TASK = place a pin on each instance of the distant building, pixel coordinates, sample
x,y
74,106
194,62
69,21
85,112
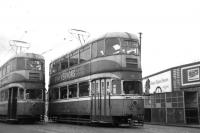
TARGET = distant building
x,y
172,96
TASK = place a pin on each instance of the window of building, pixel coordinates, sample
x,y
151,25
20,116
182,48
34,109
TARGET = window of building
x,y
132,87
112,46
100,48
73,60
73,91
94,50
63,92
84,89
84,54
129,47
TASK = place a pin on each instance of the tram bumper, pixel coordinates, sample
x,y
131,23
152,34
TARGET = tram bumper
x,y
137,120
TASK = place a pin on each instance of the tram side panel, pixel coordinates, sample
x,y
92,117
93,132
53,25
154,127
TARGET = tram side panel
x,y
30,110
74,108
3,109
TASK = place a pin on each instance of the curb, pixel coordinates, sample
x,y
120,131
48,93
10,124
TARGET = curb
x,y
176,125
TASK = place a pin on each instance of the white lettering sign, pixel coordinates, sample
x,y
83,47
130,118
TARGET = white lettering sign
x,y
158,83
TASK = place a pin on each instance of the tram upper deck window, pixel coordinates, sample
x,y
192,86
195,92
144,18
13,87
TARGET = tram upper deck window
x,y
34,94
0,73
100,48
84,54
132,87
73,91
129,46
54,67
94,50
34,64
64,63
8,69
73,59
20,63
13,64
4,71
83,89
112,46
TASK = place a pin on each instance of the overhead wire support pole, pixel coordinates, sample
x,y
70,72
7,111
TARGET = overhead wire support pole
x,y
140,46
140,41
80,35
19,44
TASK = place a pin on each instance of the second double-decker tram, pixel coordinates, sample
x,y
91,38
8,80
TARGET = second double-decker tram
x,y
22,88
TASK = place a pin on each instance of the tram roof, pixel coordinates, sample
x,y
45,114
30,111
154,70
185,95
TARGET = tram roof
x,y
26,55
29,55
115,34
126,35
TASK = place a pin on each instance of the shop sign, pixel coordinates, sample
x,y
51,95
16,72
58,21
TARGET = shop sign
x,y
190,75
158,83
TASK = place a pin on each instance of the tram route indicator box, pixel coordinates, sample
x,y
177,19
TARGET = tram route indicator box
x,y
190,75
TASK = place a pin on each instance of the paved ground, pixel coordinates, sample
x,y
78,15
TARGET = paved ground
x,y
71,128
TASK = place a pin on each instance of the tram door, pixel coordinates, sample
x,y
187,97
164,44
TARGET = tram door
x,y
100,101
12,103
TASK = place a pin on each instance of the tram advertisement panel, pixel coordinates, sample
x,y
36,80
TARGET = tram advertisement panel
x,y
158,83
190,75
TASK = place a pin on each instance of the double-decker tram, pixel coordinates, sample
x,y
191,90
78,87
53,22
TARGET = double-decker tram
x,y
22,88
99,82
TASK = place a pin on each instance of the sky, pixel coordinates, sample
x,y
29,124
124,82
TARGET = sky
x,y
170,28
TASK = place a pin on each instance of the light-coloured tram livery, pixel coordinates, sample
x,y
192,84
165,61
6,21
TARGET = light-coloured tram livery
x,y
22,88
99,82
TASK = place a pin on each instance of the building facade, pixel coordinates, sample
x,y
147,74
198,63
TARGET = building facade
x,y
172,96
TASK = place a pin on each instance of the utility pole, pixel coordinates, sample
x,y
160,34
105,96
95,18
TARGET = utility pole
x,y
140,47
140,42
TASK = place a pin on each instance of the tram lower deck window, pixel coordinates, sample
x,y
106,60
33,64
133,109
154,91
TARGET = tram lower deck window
x,y
21,93
84,89
73,91
131,87
63,92
33,94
